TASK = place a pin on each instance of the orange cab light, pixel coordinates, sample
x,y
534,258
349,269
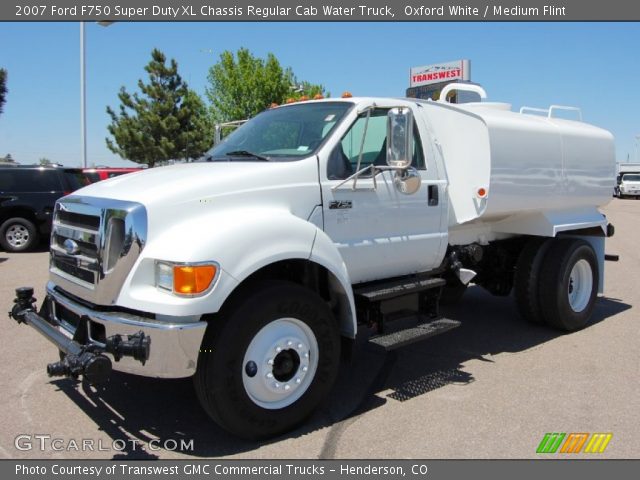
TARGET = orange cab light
x,y
482,192
193,279
346,95
304,98
274,105
318,96
291,100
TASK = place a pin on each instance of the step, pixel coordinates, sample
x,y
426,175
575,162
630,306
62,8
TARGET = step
x,y
420,331
388,290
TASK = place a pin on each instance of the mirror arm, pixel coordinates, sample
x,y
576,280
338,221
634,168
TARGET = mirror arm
x,y
375,169
364,136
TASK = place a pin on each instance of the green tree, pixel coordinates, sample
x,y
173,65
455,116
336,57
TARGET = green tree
x,y
44,161
241,85
165,121
3,87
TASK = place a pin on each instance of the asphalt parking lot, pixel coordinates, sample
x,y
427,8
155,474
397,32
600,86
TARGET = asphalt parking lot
x,y
489,389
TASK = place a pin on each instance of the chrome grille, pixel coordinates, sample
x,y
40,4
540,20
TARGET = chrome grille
x,y
94,244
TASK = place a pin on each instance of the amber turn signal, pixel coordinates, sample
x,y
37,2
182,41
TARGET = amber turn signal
x,y
192,279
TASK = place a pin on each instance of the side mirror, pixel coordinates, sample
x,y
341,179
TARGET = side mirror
x,y
399,137
408,181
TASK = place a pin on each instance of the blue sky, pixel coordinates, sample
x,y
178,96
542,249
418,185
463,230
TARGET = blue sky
x,y
595,66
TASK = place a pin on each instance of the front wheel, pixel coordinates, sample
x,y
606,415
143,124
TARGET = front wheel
x,y
266,365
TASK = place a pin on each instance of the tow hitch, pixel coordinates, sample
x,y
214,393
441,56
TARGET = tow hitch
x,y
87,360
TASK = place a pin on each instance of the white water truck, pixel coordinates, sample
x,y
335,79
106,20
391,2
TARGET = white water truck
x,y
253,270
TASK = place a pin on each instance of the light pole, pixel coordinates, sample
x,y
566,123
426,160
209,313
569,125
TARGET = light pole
x,y
83,92
637,141
83,98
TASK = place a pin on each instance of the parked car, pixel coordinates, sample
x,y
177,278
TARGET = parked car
x,y
102,173
629,185
27,197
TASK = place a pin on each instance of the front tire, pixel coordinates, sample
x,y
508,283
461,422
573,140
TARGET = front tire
x,y
269,361
18,235
569,284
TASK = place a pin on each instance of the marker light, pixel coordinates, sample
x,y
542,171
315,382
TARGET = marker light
x,y
346,95
482,192
318,96
291,100
304,98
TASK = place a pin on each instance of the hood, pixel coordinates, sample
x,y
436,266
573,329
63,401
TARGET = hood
x,y
185,183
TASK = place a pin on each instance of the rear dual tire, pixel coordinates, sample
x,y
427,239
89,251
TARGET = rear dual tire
x,y
556,282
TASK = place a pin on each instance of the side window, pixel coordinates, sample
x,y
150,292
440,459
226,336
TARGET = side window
x,y
374,146
343,161
76,179
29,180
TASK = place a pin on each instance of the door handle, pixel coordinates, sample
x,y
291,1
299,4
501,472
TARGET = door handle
x,y
433,195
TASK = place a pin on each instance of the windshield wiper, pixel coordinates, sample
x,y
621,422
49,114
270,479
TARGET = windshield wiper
x,y
246,153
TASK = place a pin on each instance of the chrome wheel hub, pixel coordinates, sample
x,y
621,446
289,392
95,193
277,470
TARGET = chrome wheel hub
x,y
280,363
17,235
580,285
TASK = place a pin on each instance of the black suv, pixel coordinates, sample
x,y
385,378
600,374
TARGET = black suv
x,y
27,198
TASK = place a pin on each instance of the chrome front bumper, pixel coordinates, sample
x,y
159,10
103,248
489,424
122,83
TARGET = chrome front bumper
x,y
174,346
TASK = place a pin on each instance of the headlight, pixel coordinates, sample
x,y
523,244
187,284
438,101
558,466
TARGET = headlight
x,y
185,279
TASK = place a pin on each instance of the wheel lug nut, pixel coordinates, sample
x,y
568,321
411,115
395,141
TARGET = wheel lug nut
x,y
276,384
298,380
269,375
289,343
287,387
304,369
299,346
270,361
306,355
278,349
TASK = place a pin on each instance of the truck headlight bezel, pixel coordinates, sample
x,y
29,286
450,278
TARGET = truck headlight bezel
x,y
186,279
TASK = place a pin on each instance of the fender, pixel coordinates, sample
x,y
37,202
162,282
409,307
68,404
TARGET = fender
x,y
241,241
325,253
550,223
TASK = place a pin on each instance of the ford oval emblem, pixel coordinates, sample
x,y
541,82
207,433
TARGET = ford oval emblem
x,y
71,247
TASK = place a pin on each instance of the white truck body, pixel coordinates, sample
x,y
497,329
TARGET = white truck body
x,y
490,175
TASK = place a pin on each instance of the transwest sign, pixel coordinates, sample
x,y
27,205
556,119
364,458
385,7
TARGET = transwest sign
x,y
440,72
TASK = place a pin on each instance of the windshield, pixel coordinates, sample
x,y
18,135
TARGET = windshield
x,y
631,178
283,133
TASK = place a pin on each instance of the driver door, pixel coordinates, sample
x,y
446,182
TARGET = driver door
x,y
379,231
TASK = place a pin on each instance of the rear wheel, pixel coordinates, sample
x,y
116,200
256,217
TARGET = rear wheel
x,y
18,235
266,365
569,284
526,279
